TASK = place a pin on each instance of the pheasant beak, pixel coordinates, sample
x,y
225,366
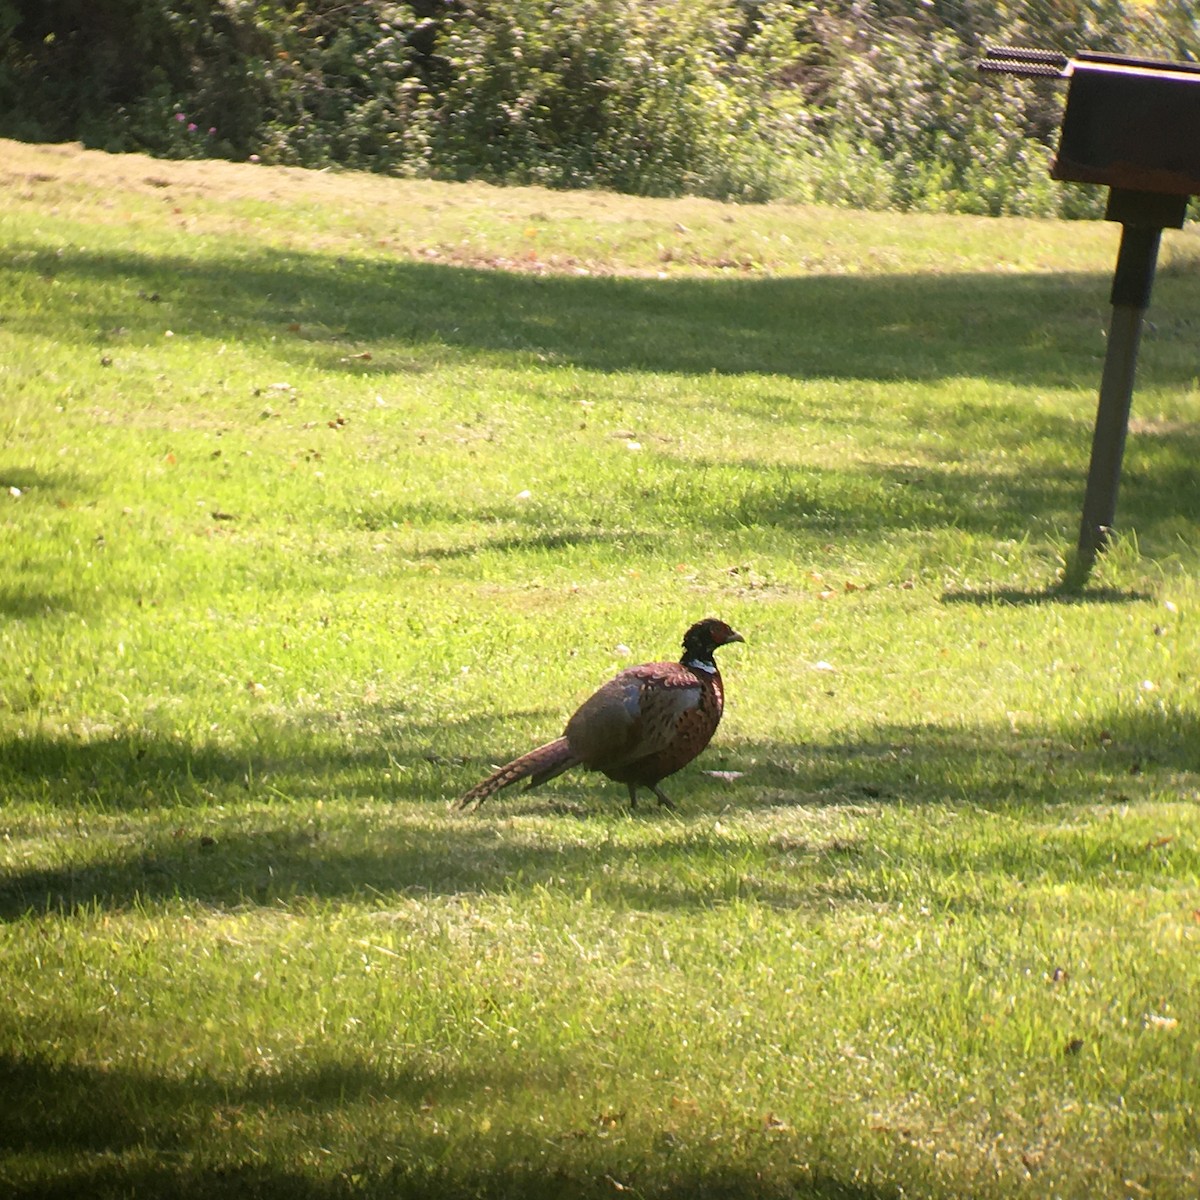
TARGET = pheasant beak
x,y
734,636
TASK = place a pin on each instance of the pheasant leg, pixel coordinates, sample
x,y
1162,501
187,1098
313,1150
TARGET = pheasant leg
x,y
663,799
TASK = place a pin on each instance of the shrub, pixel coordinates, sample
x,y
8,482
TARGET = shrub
x,y
116,75
651,98
872,103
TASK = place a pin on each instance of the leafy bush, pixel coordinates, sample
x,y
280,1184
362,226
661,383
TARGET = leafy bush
x,y
116,76
873,103
656,99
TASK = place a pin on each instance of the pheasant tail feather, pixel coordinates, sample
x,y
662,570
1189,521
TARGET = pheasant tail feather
x,y
537,766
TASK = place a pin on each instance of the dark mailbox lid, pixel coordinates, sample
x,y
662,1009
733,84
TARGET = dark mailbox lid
x,y
1132,123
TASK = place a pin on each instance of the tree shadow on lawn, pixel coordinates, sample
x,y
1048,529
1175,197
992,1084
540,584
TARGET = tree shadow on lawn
x,y
64,486
24,603
131,1132
1041,330
220,843
1032,330
1053,593
864,501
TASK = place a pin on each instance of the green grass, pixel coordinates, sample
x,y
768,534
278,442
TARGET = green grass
x,y
320,494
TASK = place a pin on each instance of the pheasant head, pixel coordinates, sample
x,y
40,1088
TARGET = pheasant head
x,y
703,638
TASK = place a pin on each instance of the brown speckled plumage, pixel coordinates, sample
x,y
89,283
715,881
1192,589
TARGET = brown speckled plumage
x,y
638,728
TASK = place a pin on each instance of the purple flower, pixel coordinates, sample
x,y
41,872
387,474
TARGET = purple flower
x,y
212,131
191,127
180,117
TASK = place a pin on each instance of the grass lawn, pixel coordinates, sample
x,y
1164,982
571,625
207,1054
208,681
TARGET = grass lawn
x,y
320,494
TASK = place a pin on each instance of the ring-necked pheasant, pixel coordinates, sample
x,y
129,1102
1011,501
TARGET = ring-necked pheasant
x,y
638,728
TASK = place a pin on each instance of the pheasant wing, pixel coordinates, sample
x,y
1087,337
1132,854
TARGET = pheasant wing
x,y
634,715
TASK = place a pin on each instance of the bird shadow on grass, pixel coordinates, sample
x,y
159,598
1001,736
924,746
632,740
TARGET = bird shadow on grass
x,y
235,828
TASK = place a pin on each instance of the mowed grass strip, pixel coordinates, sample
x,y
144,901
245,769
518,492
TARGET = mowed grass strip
x,y
320,494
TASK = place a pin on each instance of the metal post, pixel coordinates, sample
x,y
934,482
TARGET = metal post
x,y
1132,282
1143,217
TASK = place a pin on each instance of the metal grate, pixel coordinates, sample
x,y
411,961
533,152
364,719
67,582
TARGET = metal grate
x,y
1021,60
